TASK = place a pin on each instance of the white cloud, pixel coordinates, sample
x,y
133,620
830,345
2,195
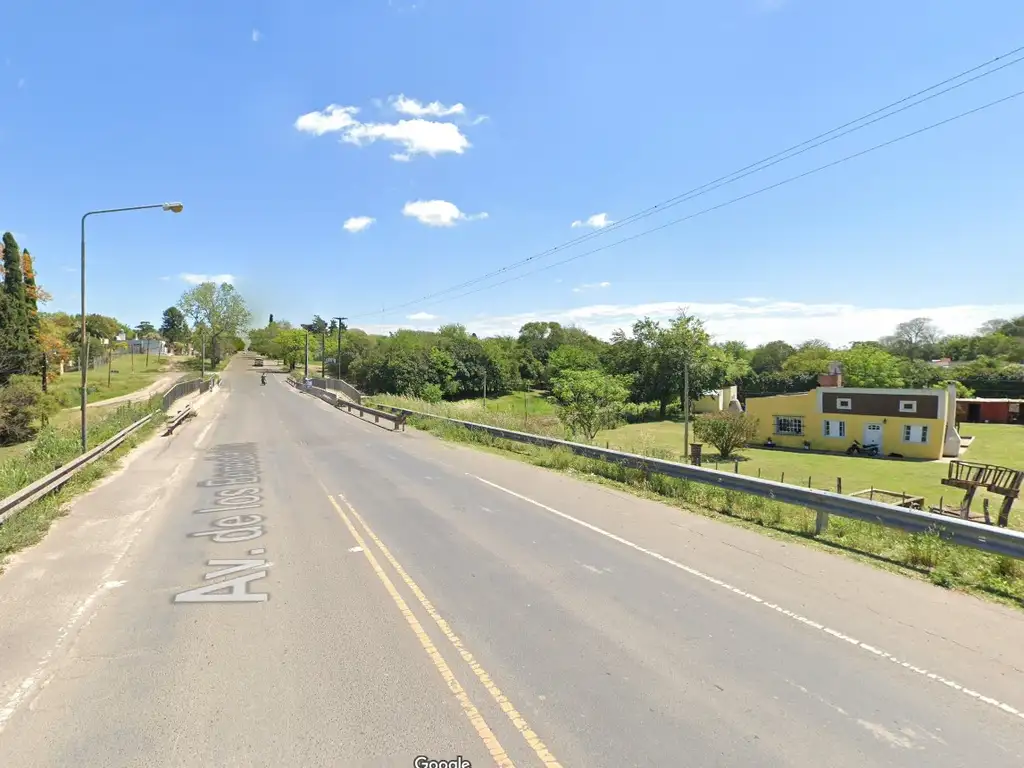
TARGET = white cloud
x,y
590,286
196,279
256,35
795,322
334,118
421,316
358,223
415,108
438,213
597,221
415,137
165,278
401,157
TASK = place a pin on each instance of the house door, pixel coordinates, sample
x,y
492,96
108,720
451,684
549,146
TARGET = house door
x,y
873,435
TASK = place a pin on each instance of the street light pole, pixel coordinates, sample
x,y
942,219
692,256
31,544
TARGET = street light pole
x,y
84,351
337,358
305,374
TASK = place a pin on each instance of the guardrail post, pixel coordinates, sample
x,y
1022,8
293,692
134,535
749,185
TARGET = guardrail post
x,y
820,522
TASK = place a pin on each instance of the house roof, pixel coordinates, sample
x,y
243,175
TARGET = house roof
x,y
990,400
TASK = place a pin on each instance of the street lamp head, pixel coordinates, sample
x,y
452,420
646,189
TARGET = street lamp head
x,y
174,207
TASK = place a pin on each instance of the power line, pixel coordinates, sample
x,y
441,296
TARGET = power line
x,y
734,200
786,154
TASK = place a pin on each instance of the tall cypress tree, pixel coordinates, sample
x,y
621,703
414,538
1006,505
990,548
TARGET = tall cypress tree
x,y
15,339
32,296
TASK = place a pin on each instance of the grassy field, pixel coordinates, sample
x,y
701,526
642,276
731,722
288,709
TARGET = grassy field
x,y
123,380
63,419
924,556
994,444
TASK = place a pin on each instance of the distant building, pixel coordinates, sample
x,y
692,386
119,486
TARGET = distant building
x,y
152,346
990,410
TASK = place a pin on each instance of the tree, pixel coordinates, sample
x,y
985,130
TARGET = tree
x,y
218,308
16,345
726,430
810,359
771,357
870,366
34,294
915,338
174,326
143,329
589,401
571,358
289,346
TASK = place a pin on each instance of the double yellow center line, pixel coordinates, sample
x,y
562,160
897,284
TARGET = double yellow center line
x,y
501,757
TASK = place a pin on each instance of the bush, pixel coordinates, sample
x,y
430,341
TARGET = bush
x,y
22,404
432,393
726,430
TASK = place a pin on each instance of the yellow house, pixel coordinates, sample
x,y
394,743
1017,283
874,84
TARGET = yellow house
x,y
915,423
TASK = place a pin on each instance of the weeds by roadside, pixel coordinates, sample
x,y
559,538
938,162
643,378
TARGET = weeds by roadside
x,y
923,555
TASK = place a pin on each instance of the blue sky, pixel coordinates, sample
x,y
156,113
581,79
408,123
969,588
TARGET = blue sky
x,y
568,110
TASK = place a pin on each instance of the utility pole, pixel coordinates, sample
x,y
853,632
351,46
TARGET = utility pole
x,y
686,408
305,374
337,359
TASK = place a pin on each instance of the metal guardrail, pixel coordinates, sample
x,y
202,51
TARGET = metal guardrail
x,y
986,538
397,419
183,388
342,386
17,501
31,493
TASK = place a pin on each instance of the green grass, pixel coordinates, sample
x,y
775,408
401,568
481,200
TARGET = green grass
x,y
55,446
67,388
924,556
61,420
994,444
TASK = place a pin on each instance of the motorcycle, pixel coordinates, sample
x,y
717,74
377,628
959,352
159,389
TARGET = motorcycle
x,y
862,450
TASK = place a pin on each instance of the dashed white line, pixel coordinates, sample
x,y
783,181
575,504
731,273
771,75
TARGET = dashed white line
x,y
773,606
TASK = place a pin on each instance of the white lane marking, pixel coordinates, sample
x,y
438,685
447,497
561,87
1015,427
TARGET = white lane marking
x,y
777,608
202,435
33,681
208,427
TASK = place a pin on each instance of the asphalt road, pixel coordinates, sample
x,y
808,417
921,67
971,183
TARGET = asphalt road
x,y
389,596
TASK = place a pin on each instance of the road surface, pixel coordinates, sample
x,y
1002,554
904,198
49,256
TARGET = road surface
x,y
386,596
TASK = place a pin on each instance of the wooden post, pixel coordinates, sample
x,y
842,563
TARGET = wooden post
x,y
839,485
783,478
110,362
736,466
808,481
758,471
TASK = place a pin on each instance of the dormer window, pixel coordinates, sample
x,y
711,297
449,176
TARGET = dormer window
x,y
844,403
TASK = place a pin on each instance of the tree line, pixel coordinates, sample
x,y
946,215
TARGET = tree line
x,y
652,360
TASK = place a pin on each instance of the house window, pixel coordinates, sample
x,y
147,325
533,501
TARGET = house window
x,y
833,428
789,425
844,403
908,406
915,434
